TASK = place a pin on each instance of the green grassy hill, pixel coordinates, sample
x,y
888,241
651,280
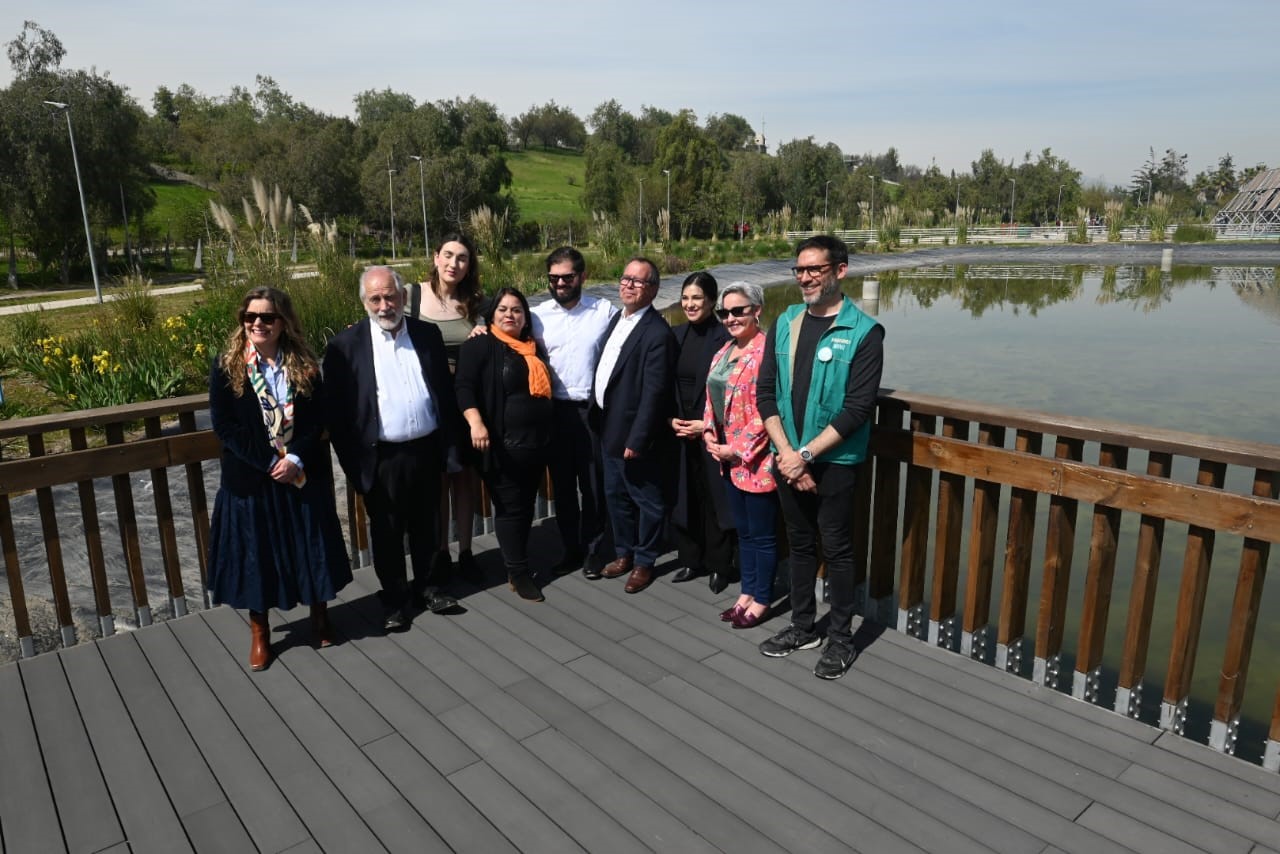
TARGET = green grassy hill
x,y
547,184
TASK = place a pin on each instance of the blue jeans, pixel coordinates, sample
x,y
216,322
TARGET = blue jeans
x,y
633,496
755,514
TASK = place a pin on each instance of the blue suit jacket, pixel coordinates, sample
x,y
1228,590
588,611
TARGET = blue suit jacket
x,y
351,387
639,395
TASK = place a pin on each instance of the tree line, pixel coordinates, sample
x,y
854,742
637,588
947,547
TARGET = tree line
x,y
356,170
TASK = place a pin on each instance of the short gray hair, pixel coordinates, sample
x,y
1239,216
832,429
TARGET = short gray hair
x,y
368,271
753,292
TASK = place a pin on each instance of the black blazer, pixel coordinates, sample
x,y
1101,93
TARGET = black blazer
x,y
638,395
247,453
352,395
717,337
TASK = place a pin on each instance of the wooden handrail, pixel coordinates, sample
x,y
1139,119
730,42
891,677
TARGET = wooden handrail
x,y
912,565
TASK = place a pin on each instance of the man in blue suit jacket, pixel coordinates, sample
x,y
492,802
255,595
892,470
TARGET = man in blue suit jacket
x,y
631,407
393,419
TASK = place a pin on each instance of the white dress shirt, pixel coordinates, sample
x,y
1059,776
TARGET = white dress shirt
x,y
572,339
612,349
405,408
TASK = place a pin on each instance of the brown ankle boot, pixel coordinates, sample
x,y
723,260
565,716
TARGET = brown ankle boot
x,y
320,637
260,651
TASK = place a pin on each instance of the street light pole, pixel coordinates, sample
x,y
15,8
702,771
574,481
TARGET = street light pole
x,y
640,215
1060,186
667,236
1013,191
422,186
391,200
873,204
84,209
826,195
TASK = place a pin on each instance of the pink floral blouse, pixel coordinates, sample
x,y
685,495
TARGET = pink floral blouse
x,y
743,430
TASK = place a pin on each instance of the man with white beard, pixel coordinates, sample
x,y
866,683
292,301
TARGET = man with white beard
x,y
393,419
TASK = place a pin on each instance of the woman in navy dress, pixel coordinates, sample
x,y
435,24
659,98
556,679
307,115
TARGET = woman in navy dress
x,y
275,540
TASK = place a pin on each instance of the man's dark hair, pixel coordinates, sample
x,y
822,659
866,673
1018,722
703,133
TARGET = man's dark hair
x,y
654,278
567,253
837,252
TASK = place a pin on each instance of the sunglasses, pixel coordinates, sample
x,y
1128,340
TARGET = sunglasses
x,y
561,278
267,317
736,311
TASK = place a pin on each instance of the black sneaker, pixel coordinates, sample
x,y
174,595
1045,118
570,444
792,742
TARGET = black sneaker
x,y
836,659
788,641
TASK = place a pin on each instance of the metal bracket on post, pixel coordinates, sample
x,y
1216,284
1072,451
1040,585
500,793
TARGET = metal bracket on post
x,y
108,625
1271,756
911,621
179,606
1222,735
28,646
68,636
1009,656
944,633
144,616
820,590
1173,716
880,610
1129,701
977,645
1045,671
1084,686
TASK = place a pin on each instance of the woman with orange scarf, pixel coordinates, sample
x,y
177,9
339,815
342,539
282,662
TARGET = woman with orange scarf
x,y
504,392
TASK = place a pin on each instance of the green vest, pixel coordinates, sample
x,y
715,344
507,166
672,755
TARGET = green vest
x,y
828,381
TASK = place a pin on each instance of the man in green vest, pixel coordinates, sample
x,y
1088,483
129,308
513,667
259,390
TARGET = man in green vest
x,y
816,392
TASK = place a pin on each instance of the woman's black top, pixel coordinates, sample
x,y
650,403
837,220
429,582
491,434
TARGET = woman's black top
x,y
691,367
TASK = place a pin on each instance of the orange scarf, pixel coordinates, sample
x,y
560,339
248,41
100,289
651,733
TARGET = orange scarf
x,y
539,377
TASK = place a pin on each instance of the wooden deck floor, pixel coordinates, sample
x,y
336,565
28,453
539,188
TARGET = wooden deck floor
x,y
595,721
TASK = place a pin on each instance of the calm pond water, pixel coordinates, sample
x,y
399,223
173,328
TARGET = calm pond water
x,y
1193,349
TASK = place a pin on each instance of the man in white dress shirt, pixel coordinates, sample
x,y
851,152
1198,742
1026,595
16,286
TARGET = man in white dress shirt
x,y
392,419
571,328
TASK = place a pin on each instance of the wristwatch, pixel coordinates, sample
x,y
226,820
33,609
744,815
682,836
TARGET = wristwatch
x,y
805,454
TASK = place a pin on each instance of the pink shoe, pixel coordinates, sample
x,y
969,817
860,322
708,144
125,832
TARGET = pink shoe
x,y
731,614
746,620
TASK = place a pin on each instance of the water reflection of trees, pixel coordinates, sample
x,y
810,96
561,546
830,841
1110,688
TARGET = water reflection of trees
x,y
977,290
1148,288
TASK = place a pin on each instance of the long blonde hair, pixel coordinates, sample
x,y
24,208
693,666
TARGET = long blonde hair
x,y
299,362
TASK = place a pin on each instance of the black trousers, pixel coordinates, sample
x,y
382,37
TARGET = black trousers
x,y
513,487
700,541
826,515
577,480
403,501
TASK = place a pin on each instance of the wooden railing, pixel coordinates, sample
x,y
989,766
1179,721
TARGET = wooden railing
x,y
943,475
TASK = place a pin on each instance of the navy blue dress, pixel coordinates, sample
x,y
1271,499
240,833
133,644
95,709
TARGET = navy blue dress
x,y
272,545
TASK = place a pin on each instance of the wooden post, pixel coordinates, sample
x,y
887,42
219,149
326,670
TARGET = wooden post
x,y
943,628
1240,629
164,521
1186,628
1097,586
884,522
53,548
93,542
982,553
1142,599
199,509
1059,548
129,543
915,536
1017,564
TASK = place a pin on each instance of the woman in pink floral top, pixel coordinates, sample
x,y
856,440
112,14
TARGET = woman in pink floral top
x,y
735,435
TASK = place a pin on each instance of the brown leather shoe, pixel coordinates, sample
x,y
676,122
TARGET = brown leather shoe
x,y
260,650
617,568
640,578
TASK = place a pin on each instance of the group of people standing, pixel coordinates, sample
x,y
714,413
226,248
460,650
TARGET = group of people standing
x,y
712,427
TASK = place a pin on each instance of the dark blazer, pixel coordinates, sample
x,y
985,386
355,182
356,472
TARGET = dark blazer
x,y
717,337
247,453
479,381
352,395
638,398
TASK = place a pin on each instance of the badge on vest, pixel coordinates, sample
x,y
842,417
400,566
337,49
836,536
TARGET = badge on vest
x,y
825,354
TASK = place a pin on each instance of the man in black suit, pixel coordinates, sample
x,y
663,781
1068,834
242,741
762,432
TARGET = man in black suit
x,y
393,418
631,410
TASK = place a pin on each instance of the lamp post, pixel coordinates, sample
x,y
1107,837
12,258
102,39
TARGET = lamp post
x,y
873,204
84,209
391,201
826,195
640,215
667,236
1013,190
1060,186
422,186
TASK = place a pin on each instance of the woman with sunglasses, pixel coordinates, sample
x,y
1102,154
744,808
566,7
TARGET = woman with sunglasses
x,y
700,519
451,300
735,436
274,540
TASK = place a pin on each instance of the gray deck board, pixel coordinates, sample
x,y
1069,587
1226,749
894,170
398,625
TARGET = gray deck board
x,y
592,721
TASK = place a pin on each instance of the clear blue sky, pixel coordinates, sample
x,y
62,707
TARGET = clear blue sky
x,y
1098,82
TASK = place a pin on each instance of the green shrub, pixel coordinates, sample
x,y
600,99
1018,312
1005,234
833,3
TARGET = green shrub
x,y
1188,233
